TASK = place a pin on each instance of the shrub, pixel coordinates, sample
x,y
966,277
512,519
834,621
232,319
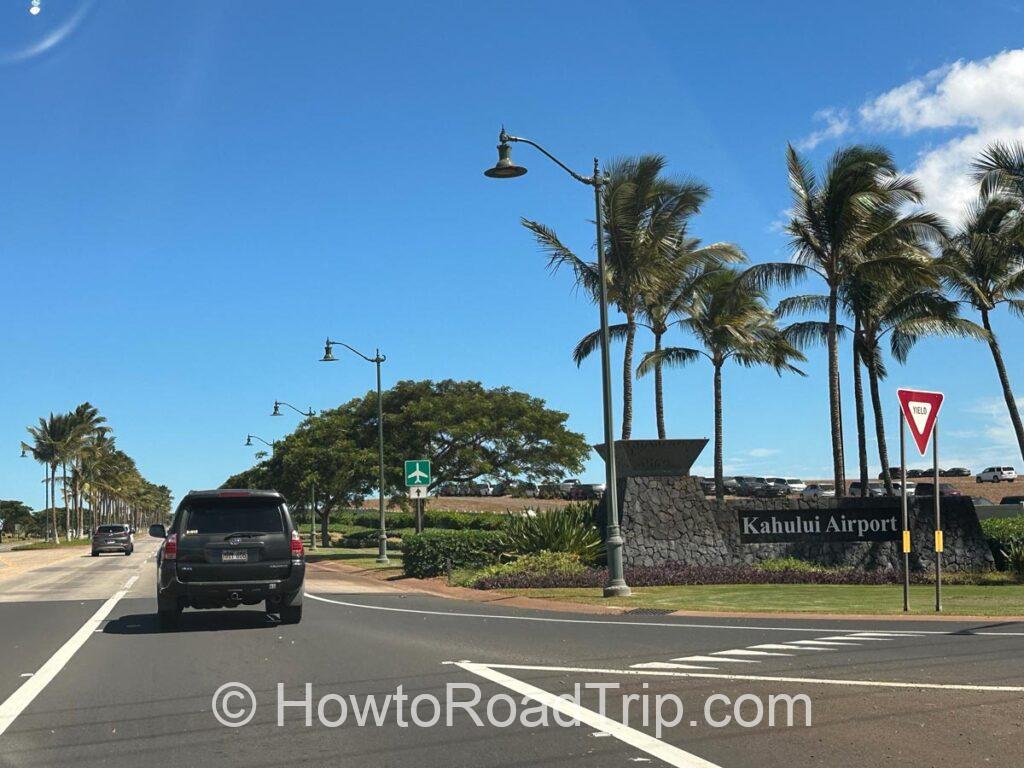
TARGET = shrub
x,y
431,553
460,521
1015,558
570,530
788,564
1002,533
542,565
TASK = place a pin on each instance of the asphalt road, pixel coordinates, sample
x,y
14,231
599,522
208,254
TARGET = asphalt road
x,y
908,694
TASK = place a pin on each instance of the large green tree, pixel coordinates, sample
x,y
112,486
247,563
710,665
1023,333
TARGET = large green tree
x,y
467,431
13,513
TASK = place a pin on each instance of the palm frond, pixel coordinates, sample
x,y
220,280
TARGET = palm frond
x,y
672,357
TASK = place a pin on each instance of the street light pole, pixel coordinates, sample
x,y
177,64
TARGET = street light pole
x,y
308,413
506,169
377,359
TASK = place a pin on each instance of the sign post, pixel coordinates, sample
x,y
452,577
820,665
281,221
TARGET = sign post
x,y
920,411
417,480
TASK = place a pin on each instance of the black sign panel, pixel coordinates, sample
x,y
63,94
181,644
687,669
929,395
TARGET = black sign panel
x,y
765,527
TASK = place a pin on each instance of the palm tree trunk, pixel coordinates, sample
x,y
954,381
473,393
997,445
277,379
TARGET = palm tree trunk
x,y
1004,380
659,392
834,404
858,397
876,406
719,483
53,502
627,379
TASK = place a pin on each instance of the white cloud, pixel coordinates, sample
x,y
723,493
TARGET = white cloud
x,y
759,453
966,106
837,122
982,101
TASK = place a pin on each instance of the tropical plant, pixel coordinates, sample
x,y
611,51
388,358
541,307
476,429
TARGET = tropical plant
x,y
732,322
836,222
644,217
983,267
569,530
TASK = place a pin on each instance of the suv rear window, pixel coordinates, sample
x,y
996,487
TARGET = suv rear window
x,y
205,516
111,529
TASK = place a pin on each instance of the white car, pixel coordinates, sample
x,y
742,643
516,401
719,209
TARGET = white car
x,y
796,485
566,486
816,491
997,475
911,487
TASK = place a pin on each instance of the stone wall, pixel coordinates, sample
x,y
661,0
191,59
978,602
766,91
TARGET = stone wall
x,y
669,518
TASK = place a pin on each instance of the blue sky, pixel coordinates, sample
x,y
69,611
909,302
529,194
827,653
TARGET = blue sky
x,y
196,194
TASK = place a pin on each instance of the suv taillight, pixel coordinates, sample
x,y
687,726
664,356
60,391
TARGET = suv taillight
x,y
171,547
296,545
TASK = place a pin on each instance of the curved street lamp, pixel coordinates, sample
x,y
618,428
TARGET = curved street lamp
x,y
377,359
250,438
308,413
506,169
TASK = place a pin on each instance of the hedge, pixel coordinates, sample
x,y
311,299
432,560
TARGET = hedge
x,y
432,552
456,521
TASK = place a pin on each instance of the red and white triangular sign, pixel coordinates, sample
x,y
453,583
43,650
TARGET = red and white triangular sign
x,y
920,409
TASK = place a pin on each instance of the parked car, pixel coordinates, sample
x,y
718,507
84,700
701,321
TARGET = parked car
x,y
227,548
918,473
981,501
796,485
997,475
1012,500
815,491
483,488
524,489
566,486
928,489
874,489
956,472
911,488
586,491
730,485
895,473
745,484
770,490
499,488
778,481
707,485
113,538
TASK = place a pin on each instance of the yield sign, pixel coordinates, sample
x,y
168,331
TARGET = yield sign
x,y
920,409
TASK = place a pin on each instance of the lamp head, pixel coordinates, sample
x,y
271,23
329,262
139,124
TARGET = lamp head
x,y
248,441
23,454
504,168
328,353
277,409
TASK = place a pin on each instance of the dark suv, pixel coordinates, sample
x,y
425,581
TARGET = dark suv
x,y
228,548
112,538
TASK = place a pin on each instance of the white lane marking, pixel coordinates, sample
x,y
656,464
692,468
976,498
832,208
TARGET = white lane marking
x,y
130,583
26,674
748,652
27,691
888,635
828,643
766,678
668,625
634,738
780,647
715,659
858,638
667,665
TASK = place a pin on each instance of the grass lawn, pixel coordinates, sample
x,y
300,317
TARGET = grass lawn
x,y
973,600
51,545
364,558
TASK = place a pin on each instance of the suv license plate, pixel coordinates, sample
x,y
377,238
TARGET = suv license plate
x,y
234,557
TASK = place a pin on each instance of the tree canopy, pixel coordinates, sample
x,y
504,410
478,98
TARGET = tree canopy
x,y
465,429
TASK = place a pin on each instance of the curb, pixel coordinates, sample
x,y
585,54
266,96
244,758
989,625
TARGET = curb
x,y
438,588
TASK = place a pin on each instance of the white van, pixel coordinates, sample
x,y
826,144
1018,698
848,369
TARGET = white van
x,y
997,474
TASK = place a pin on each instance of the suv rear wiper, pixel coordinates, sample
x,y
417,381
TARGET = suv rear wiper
x,y
245,534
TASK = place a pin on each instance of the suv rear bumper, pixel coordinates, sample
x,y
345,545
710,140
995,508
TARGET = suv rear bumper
x,y
173,593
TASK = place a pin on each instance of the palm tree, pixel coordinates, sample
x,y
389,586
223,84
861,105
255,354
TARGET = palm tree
x,y
49,446
983,267
1000,169
836,221
643,214
731,321
667,301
